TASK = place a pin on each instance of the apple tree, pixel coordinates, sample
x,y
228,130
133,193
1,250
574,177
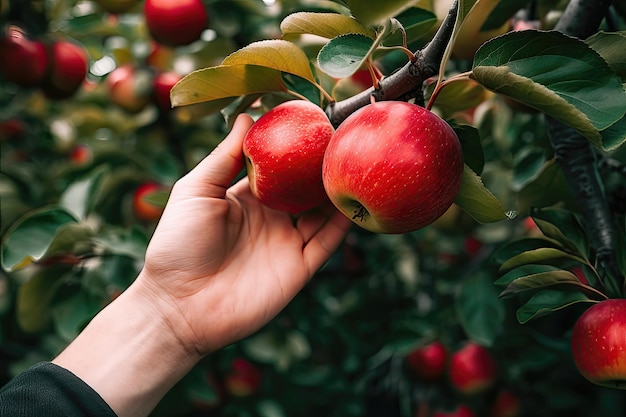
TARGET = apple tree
x,y
485,310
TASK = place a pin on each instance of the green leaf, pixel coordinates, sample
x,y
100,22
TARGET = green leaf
x,y
502,13
538,256
417,23
472,148
34,298
344,55
225,81
611,46
477,201
326,25
29,238
615,135
545,302
524,271
73,313
529,164
515,247
277,54
540,280
563,226
556,74
481,312
373,12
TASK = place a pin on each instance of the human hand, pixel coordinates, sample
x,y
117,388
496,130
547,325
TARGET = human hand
x,y
220,264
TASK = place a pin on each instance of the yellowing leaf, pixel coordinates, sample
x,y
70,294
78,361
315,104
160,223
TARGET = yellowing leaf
x,y
326,25
277,54
224,81
477,201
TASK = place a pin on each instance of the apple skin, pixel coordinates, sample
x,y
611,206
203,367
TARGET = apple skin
x,y
67,69
175,22
142,209
393,167
163,84
461,411
81,155
22,61
125,89
472,369
428,362
243,378
284,151
599,343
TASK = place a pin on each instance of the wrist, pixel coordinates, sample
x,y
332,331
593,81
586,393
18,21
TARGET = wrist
x,y
129,354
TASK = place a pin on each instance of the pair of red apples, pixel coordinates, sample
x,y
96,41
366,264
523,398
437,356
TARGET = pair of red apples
x,y
391,166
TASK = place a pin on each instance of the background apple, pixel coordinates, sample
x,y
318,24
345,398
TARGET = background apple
x,y
130,87
472,369
505,404
242,378
393,167
143,209
428,362
22,60
175,22
599,343
284,150
81,154
163,84
67,69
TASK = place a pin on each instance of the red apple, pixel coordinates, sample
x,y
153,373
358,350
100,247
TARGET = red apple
x,y
12,129
428,362
393,167
243,378
461,411
506,404
130,87
67,69
163,84
143,209
472,369
175,22
116,6
284,150
22,61
80,155
599,343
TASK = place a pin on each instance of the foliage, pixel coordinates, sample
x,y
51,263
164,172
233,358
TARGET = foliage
x,y
502,267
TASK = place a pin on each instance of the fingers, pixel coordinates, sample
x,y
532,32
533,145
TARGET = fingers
x,y
215,173
324,240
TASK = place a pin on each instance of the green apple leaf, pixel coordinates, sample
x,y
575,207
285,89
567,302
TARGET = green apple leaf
x,y
556,74
344,55
477,201
417,23
473,155
326,25
225,81
516,247
564,227
277,54
480,311
550,277
458,95
615,135
538,256
611,47
373,12
502,13
547,301
30,237
34,298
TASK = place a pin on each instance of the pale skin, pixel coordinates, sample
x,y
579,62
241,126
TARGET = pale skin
x,y
219,266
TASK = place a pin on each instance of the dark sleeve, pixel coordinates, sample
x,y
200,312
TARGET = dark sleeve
x,y
48,390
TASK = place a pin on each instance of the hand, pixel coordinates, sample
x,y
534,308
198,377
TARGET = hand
x,y
220,264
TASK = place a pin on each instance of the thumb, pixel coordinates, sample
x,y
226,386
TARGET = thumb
x,y
216,172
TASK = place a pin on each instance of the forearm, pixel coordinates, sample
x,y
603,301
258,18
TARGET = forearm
x,y
128,354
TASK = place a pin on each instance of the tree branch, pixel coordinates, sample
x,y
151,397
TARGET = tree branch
x,y
406,83
577,159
